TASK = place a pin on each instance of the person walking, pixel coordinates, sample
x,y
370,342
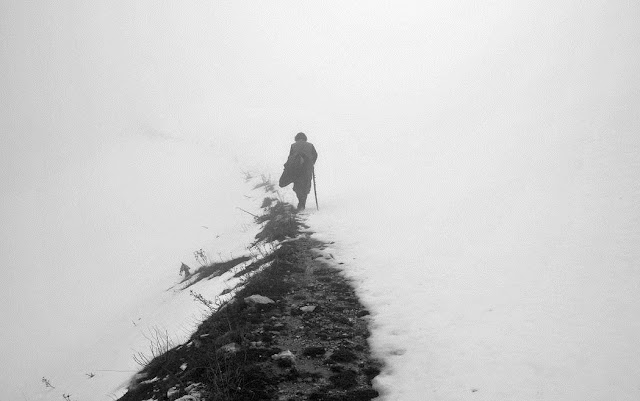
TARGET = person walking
x,y
299,168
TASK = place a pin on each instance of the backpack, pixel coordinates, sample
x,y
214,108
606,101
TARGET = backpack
x,y
293,169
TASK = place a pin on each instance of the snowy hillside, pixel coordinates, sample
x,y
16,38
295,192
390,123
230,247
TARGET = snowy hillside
x,y
478,169
523,285
499,245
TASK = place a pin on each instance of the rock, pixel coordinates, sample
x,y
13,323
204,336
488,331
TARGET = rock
x,y
258,300
193,387
279,326
172,393
284,355
194,393
284,358
230,348
309,308
155,379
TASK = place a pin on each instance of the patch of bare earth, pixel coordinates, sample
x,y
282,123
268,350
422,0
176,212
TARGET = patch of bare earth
x,y
294,331
322,323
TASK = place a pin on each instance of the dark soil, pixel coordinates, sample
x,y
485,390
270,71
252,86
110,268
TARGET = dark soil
x,y
239,353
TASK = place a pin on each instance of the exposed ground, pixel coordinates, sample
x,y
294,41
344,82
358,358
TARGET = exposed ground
x,y
294,331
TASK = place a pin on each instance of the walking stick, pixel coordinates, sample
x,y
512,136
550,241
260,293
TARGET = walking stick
x,y
315,192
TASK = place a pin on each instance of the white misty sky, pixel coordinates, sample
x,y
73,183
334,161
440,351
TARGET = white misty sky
x,y
111,112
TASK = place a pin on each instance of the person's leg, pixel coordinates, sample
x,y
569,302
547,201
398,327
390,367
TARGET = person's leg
x,y
302,187
302,201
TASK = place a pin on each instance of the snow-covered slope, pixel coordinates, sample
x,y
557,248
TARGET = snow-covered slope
x,y
478,171
499,245
111,245
101,366
518,283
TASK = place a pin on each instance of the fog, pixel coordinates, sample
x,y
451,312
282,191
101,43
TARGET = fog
x,y
125,127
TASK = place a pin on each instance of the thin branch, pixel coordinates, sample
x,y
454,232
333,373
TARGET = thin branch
x,y
247,212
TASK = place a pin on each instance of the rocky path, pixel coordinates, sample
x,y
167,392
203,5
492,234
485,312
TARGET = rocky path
x,y
294,331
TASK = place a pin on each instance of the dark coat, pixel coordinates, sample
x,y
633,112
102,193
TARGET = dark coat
x,y
299,167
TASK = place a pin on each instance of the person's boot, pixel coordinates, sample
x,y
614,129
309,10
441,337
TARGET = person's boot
x,y
302,202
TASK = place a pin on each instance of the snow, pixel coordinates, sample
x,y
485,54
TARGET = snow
x,y
112,258
500,262
478,173
500,291
160,312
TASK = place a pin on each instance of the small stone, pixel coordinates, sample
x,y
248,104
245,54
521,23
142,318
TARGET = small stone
x,y
284,359
193,387
284,355
230,348
309,308
172,393
258,300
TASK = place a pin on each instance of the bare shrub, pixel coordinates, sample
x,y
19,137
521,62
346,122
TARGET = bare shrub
x,y
159,344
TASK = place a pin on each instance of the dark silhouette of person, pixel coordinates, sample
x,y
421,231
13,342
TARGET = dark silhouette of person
x,y
299,168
